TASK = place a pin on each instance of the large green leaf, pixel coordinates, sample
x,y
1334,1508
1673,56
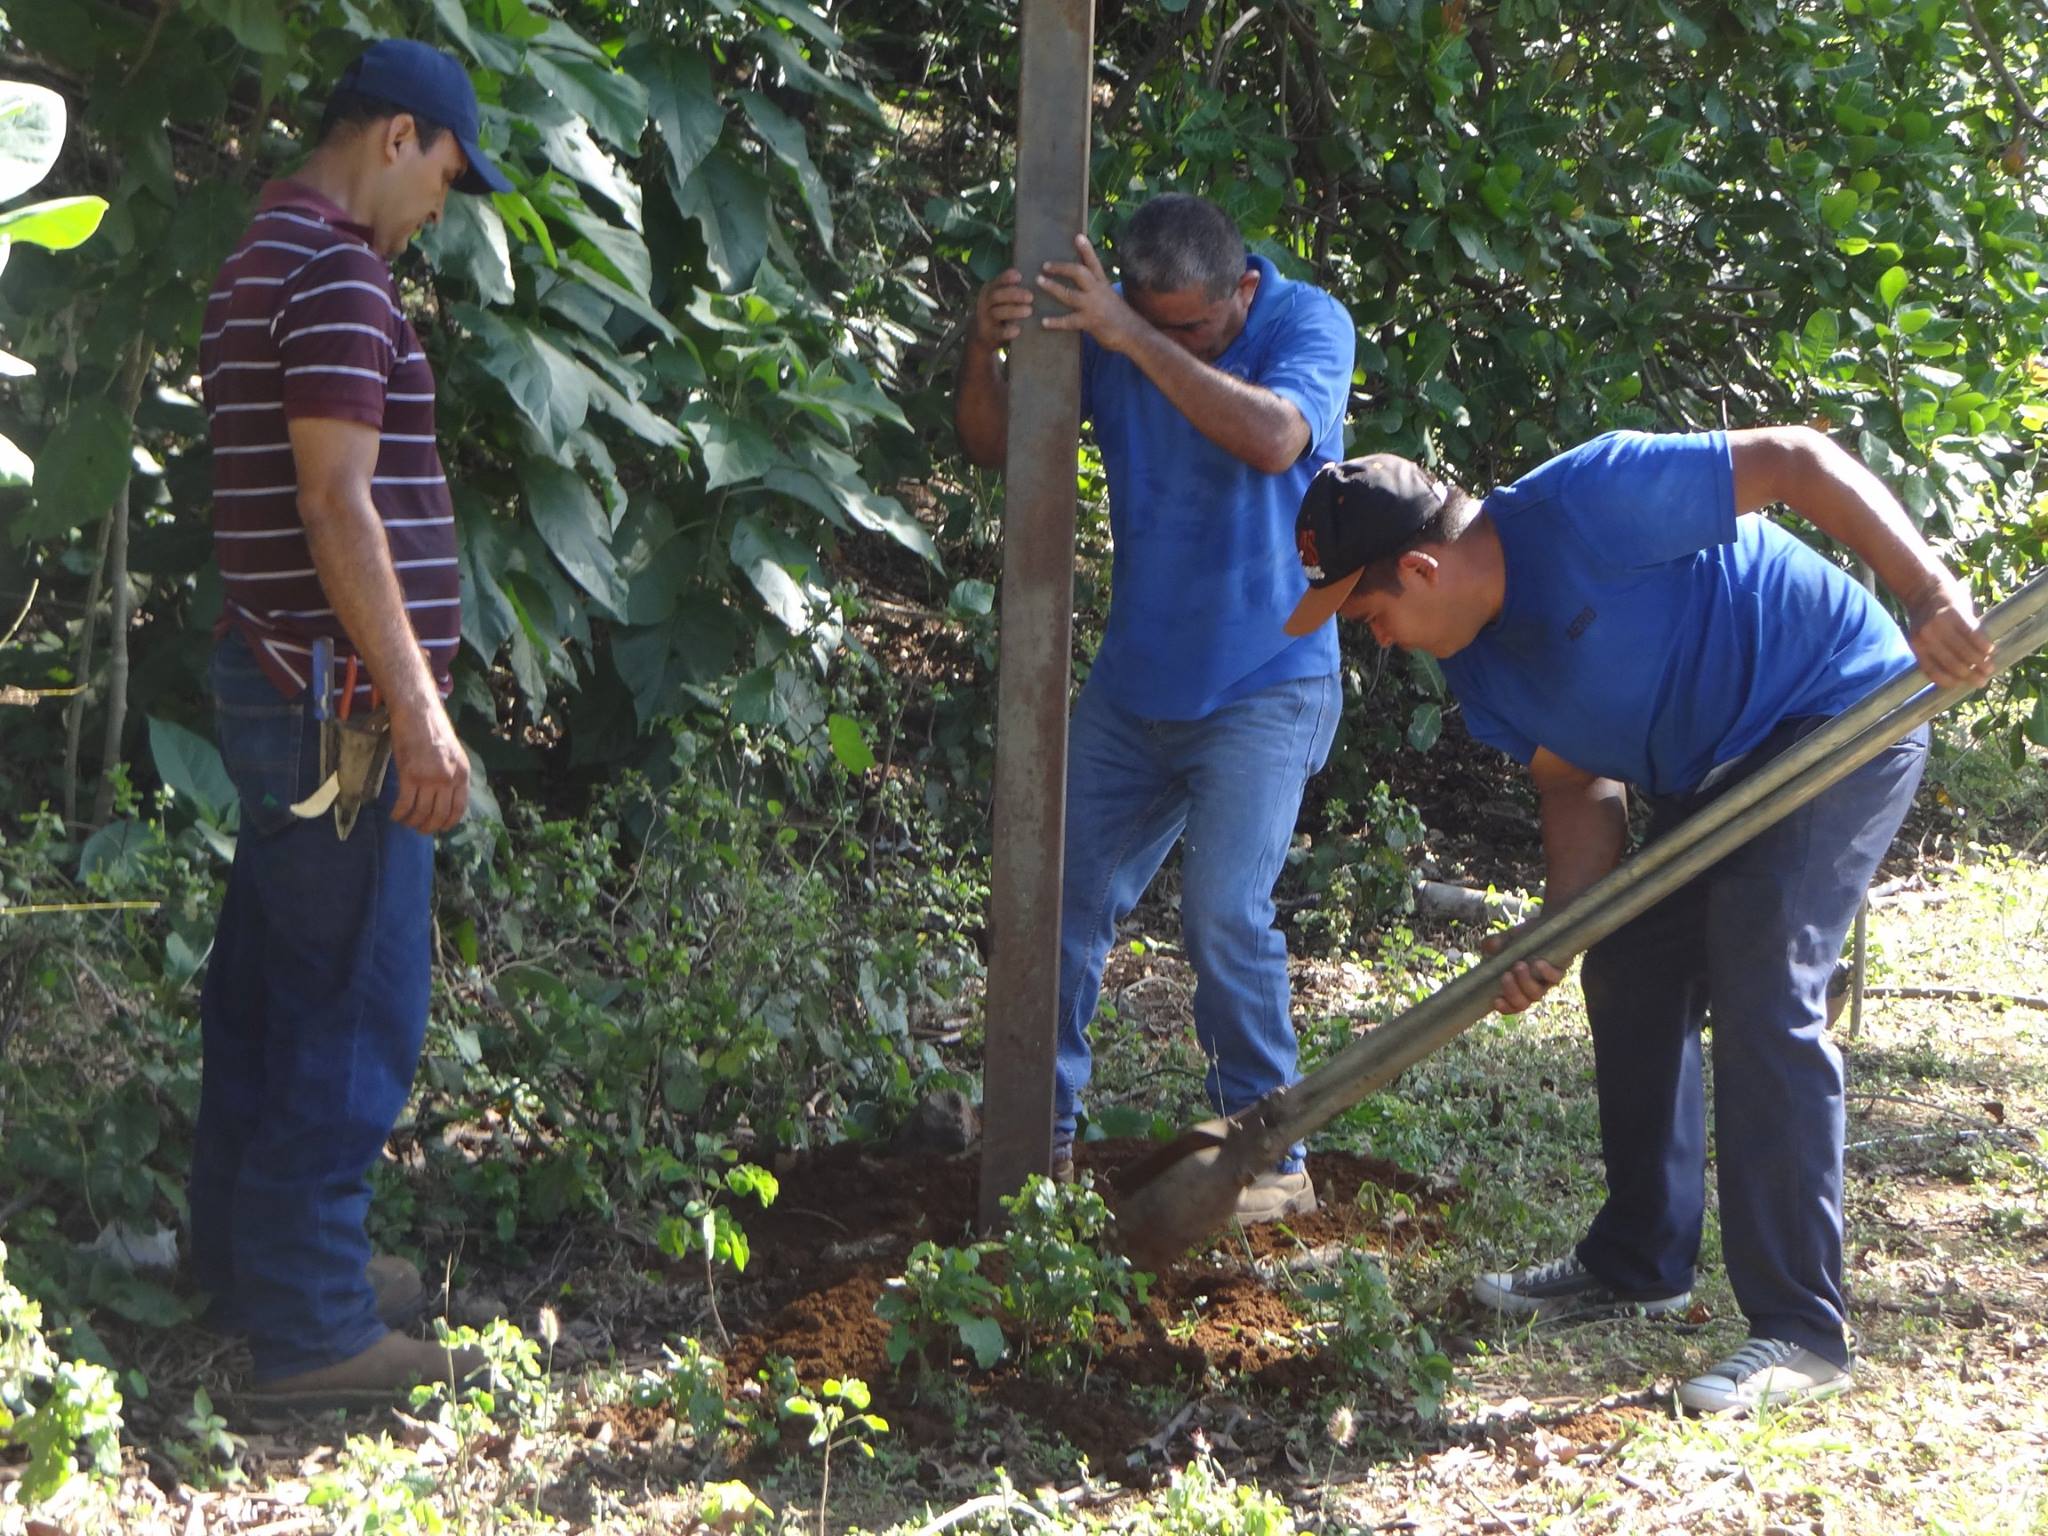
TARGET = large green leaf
x,y
730,204
192,766
657,662
470,242
257,25
572,522
785,136
550,388
686,108
734,449
81,469
611,101
619,252
764,558
16,467
31,135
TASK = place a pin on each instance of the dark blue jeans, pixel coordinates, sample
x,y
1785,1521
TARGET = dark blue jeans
x,y
1753,940
312,1013
1228,787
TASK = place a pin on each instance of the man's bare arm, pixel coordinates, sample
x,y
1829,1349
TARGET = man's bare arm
x,y
1249,423
981,395
1835,492
335,461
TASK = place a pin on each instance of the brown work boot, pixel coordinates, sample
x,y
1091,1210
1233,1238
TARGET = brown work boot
x,y
381,1375
401,1294
1273,1196
1062,1169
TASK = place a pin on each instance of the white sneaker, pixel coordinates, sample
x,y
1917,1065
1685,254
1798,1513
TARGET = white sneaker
x,y
1764,1372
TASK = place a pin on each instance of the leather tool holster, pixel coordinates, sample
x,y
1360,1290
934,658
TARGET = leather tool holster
x,y
357,753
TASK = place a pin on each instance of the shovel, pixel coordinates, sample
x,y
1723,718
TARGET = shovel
x,y
1189,1188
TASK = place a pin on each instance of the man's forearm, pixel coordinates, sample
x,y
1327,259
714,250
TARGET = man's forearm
x,y
353,561
1585,828
1250,424
981,406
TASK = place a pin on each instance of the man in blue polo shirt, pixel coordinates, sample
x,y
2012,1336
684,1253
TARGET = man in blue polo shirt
x,y
1615,618
1216,388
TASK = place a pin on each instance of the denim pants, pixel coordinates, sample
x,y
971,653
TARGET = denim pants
x,y
1753,940
1230,783
312,1014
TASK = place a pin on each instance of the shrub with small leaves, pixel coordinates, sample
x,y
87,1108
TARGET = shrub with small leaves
x,y
942,1295
690,1384
839,1416
1063,1273
1376,1336
65,1414
1203,1501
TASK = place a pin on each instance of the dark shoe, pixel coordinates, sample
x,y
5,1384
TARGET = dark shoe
x,y
381,1375
1564,1290
1276,1196
401,1294
1764,1373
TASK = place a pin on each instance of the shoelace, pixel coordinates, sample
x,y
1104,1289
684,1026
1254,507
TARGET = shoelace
x,y
1566,1268
1754,1357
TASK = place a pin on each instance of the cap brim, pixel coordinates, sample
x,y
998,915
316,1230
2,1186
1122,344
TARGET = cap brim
x,y
1319,604
481,177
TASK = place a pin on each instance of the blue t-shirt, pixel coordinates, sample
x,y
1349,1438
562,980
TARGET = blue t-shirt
x,y
1203,570
1647,633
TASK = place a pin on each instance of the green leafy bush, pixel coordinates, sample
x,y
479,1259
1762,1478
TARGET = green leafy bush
x,y
1373,1335
942,1296
1063,1274
63,1416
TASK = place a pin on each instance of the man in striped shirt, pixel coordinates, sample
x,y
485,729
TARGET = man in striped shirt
x,y
334,530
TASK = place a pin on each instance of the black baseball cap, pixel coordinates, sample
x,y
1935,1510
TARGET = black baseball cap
x,y
427,82
1355,513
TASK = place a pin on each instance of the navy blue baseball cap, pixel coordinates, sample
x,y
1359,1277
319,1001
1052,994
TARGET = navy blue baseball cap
x,y
428,83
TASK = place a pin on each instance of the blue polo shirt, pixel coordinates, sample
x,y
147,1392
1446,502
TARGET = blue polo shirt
x,y
1647,633
1203,572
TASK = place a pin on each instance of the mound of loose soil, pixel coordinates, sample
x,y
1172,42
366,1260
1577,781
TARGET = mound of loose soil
x,y
849,1215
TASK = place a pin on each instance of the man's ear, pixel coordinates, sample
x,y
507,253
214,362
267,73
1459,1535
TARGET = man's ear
x,y
1248,285
1422,566
399,130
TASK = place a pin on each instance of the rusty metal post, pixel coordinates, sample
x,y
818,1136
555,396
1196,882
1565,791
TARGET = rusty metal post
x,y
1037,613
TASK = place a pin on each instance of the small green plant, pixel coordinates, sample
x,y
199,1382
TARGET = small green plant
x,y
1359,869
378,1489
711,1230
839,1416
1202,1500
212,1458
690,1385
1063,1275
64,1414
1376,1337
942,1294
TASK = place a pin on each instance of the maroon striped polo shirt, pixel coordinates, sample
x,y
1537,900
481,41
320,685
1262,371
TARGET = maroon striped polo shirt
x,y
304,322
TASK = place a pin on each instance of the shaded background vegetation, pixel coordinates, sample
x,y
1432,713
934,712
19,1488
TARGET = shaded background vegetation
x,y
729,659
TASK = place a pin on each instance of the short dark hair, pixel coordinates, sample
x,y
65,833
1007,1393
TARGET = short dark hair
x,y
1178,241
1446,524
349,110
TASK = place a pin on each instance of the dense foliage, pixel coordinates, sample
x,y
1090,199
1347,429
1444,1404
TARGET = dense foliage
x,y
727,592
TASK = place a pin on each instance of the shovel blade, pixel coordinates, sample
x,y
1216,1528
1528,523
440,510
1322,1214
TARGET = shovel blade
x,y
1187,1190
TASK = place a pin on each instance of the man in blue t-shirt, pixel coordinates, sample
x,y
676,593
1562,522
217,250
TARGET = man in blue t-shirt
x,y
1216,388
1614,618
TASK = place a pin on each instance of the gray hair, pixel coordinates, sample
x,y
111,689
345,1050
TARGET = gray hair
x,y
1176,242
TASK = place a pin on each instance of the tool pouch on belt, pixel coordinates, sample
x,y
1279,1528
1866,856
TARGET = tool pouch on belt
x,y
355,753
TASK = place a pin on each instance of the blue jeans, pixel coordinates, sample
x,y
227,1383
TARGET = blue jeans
x,y
1754,939
1231,783
312,1014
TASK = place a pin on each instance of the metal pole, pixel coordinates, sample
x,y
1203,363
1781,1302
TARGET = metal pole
x,y
1861,953
1035,664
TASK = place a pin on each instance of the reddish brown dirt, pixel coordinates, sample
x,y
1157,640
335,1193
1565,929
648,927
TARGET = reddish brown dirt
x,y
849,1215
